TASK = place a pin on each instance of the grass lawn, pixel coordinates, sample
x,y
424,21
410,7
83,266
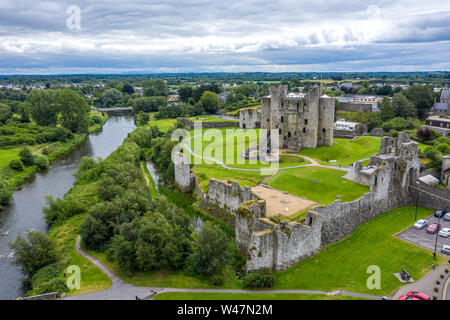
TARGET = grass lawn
x,y
244,178
247,296
92,278
330,184
344,264
344,151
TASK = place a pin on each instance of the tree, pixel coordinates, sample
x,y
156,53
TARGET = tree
x,y
211,250
43,107
5,193
33,253
5,112
210,101
155,87
26,156
23,109
128,88
74,111
111,97
185,93
403,107
421,97
387,110
148,104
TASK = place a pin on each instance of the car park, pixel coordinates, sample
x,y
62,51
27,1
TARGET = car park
x,y
420,224
447,216
444,232
446,249
418,295
433,228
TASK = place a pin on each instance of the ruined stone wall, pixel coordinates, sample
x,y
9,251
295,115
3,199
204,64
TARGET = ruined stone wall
x,y
184,179
223,199
281,245
249,119
354,107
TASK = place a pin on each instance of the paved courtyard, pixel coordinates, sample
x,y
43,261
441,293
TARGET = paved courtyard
x,y
423,239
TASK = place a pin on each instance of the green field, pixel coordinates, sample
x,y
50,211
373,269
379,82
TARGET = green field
x,y
344,264
317,184
247,296
344,151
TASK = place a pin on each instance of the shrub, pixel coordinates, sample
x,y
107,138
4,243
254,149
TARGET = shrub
x,y
54,285
442,276
446,270
438,282
434,298
16,164
41,162
60,210
217,280
262,278
5,193
436,289
26,156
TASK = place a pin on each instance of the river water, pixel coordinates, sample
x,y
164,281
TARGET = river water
x,y
25,211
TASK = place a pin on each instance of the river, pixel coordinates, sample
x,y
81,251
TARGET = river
x,y
25,211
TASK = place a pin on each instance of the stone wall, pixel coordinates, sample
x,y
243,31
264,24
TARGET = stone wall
x,y
354,107
279,246
431,197
184,179
223,199
249,118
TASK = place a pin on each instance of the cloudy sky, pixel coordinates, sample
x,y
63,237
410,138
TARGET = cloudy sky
x,y
50,37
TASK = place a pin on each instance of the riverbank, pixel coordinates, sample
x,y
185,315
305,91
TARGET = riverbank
x,y
25,210
55,150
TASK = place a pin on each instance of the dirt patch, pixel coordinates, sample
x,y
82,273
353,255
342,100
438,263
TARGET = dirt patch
x,y
277,201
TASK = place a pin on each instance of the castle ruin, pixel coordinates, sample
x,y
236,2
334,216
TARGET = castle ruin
x,y
302,120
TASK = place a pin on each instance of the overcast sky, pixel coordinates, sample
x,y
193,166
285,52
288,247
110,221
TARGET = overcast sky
x,y
42,37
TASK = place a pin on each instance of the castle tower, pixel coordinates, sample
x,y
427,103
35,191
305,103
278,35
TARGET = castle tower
x,y
326,120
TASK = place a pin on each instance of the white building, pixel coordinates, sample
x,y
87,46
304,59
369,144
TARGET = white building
x,y
345,125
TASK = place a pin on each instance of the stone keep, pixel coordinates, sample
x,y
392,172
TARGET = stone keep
x,y
301,120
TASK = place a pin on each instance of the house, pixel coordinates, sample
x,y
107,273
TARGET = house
x,y
223,96
439,124
446,170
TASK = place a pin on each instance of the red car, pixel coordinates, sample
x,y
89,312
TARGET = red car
x,y
408,298
418,295
433,228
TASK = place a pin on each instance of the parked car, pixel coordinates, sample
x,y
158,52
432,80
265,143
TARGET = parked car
x,y
433,228
446,249
420,224
408,298
418,295
445,232
440,213
447,216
